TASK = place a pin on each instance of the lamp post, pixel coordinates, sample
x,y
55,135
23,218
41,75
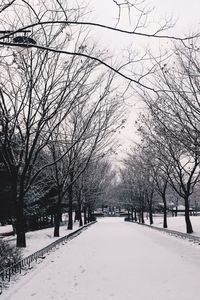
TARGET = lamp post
x,y
12,36
25,41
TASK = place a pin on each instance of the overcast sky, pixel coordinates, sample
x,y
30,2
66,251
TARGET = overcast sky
x,y
186,14
184,11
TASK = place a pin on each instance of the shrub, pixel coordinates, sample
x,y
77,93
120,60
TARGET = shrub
x,y
8,254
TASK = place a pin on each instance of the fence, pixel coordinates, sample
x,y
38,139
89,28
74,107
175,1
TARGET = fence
x,y
7,273
188,236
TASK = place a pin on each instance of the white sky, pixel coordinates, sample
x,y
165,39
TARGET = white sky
x,y
184,12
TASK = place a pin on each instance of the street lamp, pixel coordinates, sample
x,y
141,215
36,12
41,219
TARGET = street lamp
x,y
22,40
25,41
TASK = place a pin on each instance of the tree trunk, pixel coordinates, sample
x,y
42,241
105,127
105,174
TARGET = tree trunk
x,y
70,199
80,219
76,217
85,215
142,215
141,211
150,213
70,211
135,215
20,224
80,211
89,215
57,215
176,212
57,224
132,214
150,202
187,216
20,219
165,211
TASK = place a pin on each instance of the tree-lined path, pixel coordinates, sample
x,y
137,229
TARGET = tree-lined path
x,y
115,260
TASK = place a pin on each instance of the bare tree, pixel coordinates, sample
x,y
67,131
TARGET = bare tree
x,y
126,191
160,171
179,165
139,184
35,100
83,136
61,18
96,183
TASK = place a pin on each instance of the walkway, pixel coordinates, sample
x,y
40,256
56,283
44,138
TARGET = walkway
x,y
115,260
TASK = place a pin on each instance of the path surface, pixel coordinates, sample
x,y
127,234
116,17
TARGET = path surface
x,y
116,260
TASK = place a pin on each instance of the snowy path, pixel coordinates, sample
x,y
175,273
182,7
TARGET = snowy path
x,y
115,260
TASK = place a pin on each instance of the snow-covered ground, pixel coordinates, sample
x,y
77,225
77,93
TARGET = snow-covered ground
x,y
36,240
41,238
116,260
5,229
177,223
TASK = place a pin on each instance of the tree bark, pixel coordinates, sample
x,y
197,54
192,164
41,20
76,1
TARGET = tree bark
x,y
80,219
142,215
70,211
89,215
150,203
189,228
20,224
57,215
150,213
20,219
132,214
142,210
76,217
70,199
135,215
57,224
164,211
85,215
80,211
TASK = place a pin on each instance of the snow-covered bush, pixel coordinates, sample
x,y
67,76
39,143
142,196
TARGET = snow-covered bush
x,y
8,255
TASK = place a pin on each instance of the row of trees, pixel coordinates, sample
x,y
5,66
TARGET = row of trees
x,y
56,119
58,106
166,161
57,116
